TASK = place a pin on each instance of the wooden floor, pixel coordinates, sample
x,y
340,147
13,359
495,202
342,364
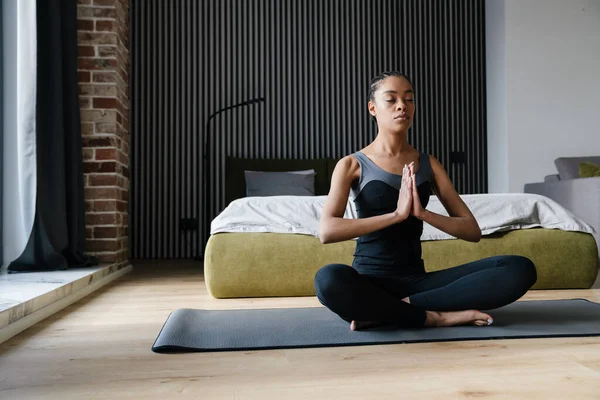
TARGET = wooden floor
x,y
100,348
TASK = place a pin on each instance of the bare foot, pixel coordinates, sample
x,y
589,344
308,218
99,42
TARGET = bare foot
x,y
452,318
358,325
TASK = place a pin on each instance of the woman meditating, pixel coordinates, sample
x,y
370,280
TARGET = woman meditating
x,y
391,182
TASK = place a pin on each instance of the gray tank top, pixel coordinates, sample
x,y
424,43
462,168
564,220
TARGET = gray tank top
x,y
395,249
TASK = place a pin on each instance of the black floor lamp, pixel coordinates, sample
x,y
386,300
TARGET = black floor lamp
x,y
203,210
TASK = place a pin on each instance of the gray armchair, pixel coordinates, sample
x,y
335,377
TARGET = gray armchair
x,y
581,196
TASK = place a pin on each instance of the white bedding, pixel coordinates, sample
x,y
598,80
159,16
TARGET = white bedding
x,y
300,214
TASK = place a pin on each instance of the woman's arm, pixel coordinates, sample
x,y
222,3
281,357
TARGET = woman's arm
x,y
461,223
333,227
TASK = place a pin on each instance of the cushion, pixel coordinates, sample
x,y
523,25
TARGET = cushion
x,y
235,182
588,170
291,183
568,167
551,178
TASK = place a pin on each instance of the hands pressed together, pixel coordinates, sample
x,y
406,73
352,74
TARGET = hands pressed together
x,y
408,198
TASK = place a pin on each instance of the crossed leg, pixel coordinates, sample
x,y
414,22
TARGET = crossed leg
x,y
452,296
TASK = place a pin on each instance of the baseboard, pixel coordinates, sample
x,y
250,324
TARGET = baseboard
x,y
29,320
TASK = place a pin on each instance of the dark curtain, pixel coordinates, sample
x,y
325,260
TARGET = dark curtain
x,y
58,237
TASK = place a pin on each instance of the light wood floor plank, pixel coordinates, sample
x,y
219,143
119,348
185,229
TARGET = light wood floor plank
x,y
100,346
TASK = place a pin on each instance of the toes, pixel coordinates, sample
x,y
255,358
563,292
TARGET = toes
x,y
481,322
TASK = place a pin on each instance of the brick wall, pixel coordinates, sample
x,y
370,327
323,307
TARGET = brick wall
x,y
103,44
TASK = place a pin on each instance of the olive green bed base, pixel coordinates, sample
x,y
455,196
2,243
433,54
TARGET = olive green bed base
x,y
273,264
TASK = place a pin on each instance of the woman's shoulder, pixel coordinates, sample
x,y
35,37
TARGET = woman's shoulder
x,y
427,157
433,161
433,167
347,162
348,165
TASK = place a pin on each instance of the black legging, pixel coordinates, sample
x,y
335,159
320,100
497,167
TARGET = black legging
x,y
482,285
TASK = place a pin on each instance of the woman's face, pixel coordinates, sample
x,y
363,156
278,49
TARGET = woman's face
x,y
394,105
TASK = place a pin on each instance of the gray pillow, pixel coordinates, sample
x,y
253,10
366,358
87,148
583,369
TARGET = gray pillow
x,y
568,167
290,183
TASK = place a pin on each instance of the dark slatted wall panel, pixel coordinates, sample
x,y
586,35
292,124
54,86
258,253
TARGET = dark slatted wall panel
x,y
311,61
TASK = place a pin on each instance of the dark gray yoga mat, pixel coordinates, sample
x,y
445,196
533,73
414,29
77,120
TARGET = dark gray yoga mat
x,y
222,330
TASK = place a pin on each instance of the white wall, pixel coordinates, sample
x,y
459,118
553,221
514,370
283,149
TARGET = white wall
x,y
543,87
496,97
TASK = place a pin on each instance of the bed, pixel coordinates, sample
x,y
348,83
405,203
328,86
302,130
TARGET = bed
x,y
281,258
